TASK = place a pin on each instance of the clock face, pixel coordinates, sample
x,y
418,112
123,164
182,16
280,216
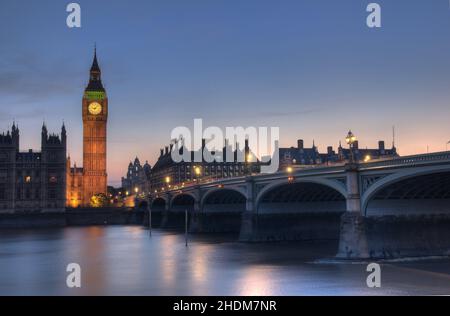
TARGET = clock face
x,y
95,108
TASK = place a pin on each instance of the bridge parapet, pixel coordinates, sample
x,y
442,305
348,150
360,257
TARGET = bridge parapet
x,y
413,160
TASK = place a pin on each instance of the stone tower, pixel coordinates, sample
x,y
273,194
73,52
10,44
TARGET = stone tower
x,y
95,117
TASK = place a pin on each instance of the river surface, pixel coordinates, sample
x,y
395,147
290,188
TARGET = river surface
x,y
125,260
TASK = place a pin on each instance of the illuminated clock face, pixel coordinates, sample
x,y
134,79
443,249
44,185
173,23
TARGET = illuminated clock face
x,y
95,108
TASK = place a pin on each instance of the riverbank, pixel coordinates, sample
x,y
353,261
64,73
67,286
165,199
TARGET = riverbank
x,y
73,217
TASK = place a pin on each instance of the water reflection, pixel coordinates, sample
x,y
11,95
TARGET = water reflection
x,y
199,255
169,259
127,261
256,281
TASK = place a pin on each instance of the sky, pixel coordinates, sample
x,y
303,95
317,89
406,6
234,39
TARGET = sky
x,y
311,67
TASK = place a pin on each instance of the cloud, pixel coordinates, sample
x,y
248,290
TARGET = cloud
x,y
13,114
26,78
287,113
253,114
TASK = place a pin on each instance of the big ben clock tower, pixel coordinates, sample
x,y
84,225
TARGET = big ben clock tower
x,y
95,117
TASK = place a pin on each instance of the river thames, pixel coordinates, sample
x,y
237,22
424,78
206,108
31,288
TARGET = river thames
x,y
125,260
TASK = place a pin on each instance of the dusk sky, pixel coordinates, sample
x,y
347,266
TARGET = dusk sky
x,y
313,68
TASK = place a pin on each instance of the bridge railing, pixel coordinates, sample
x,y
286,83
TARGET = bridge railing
x,y
305,171
409,160
337,168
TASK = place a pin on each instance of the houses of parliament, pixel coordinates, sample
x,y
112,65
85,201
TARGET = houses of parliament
x,y
46,181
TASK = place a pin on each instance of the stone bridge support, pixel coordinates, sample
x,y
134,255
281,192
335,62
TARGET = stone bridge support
x,y
401,213
249,216
353,239
195,220
165,216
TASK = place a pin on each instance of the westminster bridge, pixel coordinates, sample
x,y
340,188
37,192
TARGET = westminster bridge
x,y
387,208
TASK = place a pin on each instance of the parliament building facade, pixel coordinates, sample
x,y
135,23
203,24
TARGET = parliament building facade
x,y
33,181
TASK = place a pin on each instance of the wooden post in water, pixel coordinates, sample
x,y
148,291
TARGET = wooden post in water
x,y
150,220
149,215
186,227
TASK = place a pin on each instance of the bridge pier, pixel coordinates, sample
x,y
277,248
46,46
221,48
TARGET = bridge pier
x,y
249,217
195,223
353,237
171,219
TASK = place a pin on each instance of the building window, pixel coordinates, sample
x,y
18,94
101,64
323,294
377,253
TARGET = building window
x,y
52,194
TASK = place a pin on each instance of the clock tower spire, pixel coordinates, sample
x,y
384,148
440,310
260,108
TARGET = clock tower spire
x,y
95,117
95,80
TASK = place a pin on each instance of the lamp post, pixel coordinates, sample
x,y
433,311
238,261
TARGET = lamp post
x,y
350,140
198,173
289,171
248,160
168,180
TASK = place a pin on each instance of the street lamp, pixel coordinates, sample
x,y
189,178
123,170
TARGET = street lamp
x,y
248,160
197,172
350,140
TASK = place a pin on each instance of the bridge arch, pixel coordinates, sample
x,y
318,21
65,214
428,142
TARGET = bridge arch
x,y
142,205
409,191
301,209
224,199
158,203
181,199
335,188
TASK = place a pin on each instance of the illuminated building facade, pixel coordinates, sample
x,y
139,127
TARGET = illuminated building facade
x,y
33,181
166,172
302,155
137,179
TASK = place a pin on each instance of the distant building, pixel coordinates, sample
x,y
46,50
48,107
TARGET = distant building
x,y
301,155
33,181
167,172
367,154
137,178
